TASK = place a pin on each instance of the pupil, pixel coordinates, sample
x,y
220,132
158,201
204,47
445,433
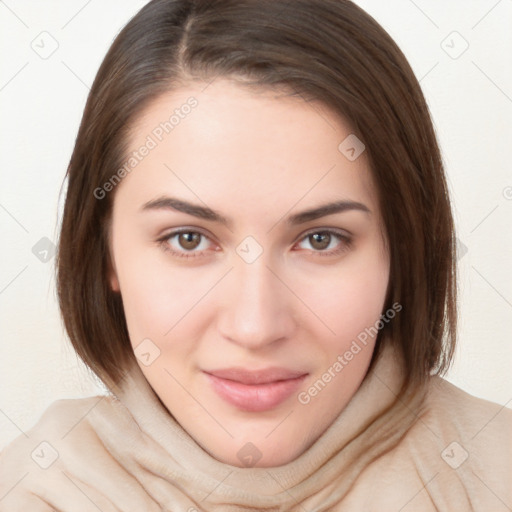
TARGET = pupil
x,y
189,240
318,238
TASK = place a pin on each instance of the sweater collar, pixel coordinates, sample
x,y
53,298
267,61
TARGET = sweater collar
x,y
372,423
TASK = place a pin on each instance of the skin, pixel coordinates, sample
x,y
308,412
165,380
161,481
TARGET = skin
x,y
257,159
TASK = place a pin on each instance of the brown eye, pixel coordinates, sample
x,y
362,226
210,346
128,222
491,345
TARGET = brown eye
x,y
320,241
189,240
185,243
327,242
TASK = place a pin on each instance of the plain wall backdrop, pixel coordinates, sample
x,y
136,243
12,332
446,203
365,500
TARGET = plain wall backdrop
x,y
461,51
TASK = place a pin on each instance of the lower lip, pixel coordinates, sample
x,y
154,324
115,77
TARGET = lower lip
x,y
254,397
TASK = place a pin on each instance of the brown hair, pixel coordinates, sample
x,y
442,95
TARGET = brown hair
x,y
326,50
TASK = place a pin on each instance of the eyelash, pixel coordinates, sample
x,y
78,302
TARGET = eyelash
x,y
345,245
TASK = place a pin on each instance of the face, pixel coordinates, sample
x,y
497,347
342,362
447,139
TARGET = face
x,y
245,308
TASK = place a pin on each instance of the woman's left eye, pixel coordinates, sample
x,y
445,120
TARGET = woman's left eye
x,y
323,242
189,243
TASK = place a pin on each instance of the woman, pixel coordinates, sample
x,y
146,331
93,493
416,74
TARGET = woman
x,y
257,259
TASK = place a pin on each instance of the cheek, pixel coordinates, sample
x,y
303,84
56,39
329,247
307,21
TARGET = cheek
x,y
351,299
158,296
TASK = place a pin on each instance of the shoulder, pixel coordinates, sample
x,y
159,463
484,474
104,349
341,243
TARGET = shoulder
x,y
41,443
70,444
453,411
466,444
63,414
479,429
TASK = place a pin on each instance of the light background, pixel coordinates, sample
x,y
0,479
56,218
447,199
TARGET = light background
x,y
41,103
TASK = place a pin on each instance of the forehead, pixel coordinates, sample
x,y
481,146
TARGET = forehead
x,y
222,139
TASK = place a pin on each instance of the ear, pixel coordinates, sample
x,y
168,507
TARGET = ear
x,y
112,276
111,272
114,282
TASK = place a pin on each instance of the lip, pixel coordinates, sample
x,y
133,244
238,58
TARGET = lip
x,y
255,391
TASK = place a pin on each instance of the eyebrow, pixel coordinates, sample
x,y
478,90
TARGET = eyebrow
x,y
203,212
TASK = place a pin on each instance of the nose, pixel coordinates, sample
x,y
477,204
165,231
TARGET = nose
x,y
258,308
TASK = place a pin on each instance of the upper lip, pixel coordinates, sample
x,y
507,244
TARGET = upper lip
x,y
262,376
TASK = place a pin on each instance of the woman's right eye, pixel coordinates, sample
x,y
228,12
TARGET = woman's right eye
x,y
183,243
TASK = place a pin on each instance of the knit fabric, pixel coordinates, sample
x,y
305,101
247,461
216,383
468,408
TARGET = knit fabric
x,y
439,449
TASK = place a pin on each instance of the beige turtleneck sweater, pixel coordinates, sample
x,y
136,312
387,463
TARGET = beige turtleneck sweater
x,y
440,450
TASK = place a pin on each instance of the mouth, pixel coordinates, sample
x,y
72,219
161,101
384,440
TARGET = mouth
x,y
255,391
